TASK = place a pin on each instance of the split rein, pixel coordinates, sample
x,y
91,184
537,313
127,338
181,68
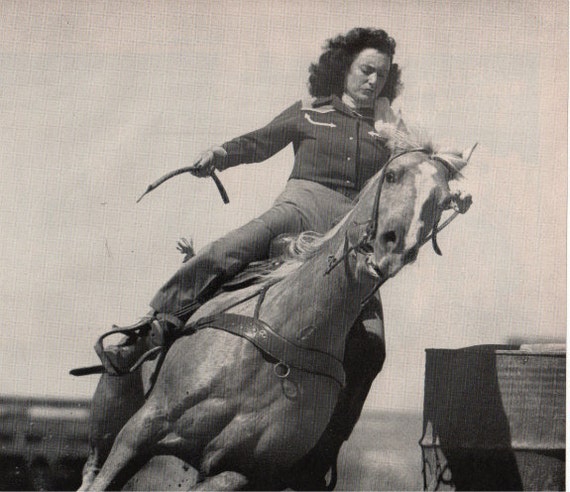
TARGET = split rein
x,y
182,170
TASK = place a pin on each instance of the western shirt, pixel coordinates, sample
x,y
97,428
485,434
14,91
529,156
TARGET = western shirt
x,y
333,145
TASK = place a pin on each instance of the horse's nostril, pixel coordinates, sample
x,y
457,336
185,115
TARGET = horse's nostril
x,y
389,237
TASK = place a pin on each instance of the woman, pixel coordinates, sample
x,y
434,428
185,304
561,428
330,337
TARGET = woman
x,y
337,149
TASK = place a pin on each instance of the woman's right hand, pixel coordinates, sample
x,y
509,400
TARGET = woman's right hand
x,y
204,165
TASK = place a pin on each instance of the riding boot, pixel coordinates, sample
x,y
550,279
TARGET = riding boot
x,y
142,341
119,358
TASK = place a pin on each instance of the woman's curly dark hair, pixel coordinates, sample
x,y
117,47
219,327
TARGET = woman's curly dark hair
x,y
327,77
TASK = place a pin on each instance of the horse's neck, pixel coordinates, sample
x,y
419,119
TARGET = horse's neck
x,y
315,309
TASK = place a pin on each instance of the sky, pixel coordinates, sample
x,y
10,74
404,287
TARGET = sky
x,y
100,98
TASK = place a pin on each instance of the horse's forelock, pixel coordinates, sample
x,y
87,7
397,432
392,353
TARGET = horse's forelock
x,y
400,142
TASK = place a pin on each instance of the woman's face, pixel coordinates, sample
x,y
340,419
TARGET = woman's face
x,y
367,76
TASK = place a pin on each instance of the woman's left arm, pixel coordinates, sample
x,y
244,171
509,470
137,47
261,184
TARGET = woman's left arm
x,y
261,144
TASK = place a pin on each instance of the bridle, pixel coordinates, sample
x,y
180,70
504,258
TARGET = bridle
x,y
365,243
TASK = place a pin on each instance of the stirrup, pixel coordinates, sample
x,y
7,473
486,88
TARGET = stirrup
x,y
162,330
136,330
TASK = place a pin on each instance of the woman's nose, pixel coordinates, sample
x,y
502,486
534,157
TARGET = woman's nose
x,y
373,78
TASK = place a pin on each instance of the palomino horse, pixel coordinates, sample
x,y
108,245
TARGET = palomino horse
x,y
252,389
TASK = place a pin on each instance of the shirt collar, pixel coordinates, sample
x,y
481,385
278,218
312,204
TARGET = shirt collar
x,y
337,103
333,101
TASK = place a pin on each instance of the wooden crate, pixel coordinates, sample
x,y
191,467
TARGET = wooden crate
x,y
494,418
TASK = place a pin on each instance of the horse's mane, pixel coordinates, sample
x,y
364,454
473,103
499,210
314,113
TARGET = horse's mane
x,y
305,245
399,141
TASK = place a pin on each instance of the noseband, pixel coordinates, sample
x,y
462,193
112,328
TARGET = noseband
x,y
365,243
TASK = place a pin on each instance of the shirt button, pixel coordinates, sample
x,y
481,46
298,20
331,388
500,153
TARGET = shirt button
x,y
348,182
348,158
351,138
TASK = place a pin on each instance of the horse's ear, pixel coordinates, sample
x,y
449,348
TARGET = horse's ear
x,y
395,135
400,125
466,154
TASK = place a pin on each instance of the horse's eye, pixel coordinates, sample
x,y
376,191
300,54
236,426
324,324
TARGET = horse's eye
x,y
390,177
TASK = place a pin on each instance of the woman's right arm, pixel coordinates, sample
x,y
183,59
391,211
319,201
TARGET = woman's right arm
x,y
255,146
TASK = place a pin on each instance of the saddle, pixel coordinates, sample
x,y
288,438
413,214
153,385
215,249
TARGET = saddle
x,y
256,271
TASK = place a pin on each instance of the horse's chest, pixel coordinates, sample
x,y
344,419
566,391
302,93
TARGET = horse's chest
x,y
234,399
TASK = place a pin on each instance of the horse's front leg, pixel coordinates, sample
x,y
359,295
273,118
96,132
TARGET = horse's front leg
x,y
115,401
91,468
364,357
134,443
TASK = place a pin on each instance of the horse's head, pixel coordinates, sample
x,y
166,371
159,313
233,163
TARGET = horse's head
x,y
404,204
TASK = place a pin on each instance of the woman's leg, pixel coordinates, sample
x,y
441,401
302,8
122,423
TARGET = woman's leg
x,y
199,278
303,205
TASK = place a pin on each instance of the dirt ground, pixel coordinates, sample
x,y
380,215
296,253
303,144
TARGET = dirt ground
x,y
383,453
